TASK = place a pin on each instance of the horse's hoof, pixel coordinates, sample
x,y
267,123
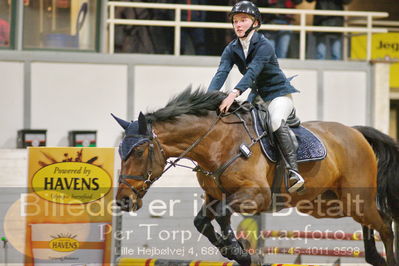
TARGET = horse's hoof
x,y
256,260
252,260
244,243
234,251
245,261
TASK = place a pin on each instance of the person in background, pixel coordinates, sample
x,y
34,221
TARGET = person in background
x,y
132,38
4,24
162,37
4,33
216,39
196,35
279,39
325,40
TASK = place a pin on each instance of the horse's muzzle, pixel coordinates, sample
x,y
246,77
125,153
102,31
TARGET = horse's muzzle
x,y
129,204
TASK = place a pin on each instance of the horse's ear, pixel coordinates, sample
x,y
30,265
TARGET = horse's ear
x,y
142,124
124,124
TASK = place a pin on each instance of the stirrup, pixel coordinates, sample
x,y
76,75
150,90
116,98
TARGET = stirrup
x,y
297,186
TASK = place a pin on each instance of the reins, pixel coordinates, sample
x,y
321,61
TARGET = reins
x,y
192,146
219,171
214,174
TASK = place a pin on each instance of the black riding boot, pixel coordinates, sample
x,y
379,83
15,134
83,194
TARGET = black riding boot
x,y
285,139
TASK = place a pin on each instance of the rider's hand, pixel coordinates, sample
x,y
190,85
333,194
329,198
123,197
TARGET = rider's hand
x,y
227,102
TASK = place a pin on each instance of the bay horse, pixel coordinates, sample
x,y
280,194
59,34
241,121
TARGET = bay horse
x,y
357,178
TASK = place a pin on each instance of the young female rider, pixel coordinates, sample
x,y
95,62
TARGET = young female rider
x,y
256,60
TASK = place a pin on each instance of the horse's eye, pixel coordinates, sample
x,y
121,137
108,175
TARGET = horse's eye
x,y
138,153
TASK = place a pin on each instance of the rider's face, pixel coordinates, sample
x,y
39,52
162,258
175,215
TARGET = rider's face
x,y
241,23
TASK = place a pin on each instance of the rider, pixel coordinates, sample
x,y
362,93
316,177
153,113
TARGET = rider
x,y
257,61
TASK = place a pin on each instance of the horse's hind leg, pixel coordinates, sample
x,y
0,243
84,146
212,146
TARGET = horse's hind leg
x,y
372,255
368,215
387,237
396,226
373,219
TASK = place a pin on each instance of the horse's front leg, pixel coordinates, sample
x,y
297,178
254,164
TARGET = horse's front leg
x,y
248,200
203,223
232,248
227,243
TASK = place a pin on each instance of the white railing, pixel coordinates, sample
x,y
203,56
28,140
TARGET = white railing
x,y
392,26
302,28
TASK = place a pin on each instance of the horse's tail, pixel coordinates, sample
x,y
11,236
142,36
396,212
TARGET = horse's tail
x,y
387,151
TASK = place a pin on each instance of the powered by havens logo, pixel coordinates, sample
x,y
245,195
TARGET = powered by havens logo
x,y
71,182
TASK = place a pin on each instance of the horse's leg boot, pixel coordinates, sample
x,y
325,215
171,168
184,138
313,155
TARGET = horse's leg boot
x,y
288,147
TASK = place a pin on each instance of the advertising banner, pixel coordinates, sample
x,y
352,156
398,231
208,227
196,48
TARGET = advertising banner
x,y
384,46
69,205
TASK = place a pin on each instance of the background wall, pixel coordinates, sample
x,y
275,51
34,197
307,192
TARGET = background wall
x,y
78,97
81,92
325,94
11,102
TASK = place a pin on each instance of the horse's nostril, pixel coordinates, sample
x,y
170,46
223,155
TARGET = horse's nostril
x,y
126,202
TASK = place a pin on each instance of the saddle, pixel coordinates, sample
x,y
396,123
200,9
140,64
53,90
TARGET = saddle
x,y
310,147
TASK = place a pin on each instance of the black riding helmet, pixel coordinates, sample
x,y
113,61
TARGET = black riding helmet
x,y
246,7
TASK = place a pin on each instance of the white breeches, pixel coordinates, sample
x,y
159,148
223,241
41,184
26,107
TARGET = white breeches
x,y
279,108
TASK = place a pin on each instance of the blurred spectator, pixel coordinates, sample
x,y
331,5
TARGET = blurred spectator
x,y
162,36
279,39
132,38
4,24
329,45
214,41
4,33
195,35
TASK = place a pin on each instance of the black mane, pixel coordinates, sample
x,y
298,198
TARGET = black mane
x,y
198,102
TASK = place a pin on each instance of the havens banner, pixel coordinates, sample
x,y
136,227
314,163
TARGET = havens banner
x,y
69,205
71,182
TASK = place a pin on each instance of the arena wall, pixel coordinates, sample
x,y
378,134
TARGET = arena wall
x,y
62,92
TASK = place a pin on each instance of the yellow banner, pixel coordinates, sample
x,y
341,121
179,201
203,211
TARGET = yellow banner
x,y
69,205
384,46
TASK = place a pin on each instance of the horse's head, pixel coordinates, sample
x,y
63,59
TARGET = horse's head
x,y
143,161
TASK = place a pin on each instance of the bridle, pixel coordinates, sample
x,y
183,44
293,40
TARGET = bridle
x,y
152,139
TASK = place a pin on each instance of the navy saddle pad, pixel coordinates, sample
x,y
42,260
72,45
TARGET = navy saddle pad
x,y
310,146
